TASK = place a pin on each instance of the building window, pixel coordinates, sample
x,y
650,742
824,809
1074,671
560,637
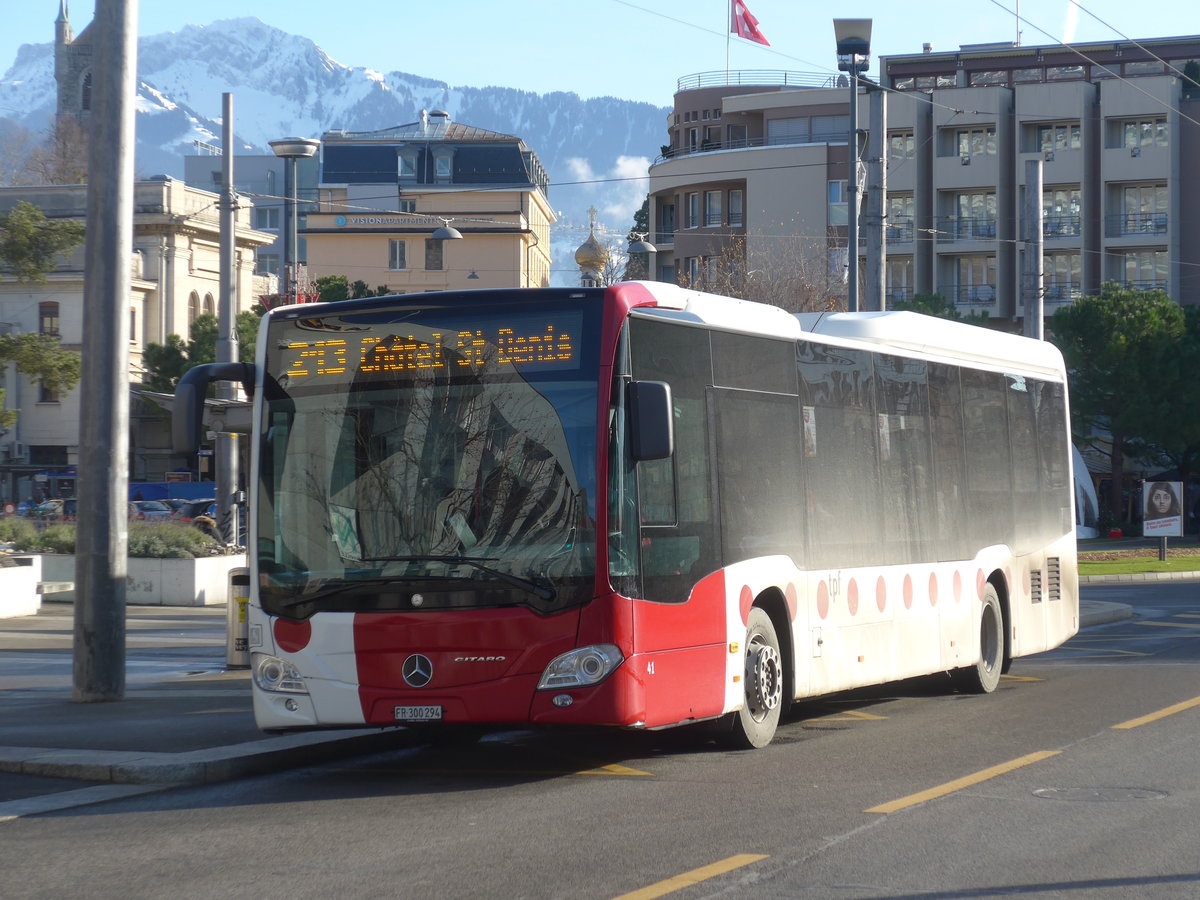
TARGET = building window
x,y
406,163
1149,131
712,209
1058,136
406,206
266,218
1062,275
836,213
1143,210
266,264
1065,73
735,136
976,280
737,207
900,219
666,223
969,142
132,325
443,168
1060,212
693,271
692,213
209,306
48,321
193,307
1144,67
396,259
1145,269
901,145
991,77
973,219
45,395
1025,76
85,93
433,255
830,128
788,131
899,278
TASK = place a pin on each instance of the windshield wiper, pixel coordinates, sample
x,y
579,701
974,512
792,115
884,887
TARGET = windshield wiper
x,y
477,562
321,594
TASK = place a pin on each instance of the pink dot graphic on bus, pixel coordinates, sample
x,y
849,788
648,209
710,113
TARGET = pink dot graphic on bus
x,y
980,581
957,587
292,636
881,593
823,600
790,596
908,592
747,601
852,597
933,589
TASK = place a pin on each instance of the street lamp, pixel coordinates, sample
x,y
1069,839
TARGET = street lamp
x,y
639,244
447,232
853,56
290,150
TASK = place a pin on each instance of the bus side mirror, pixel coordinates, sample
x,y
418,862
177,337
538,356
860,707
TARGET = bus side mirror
x,y
651,420
187,412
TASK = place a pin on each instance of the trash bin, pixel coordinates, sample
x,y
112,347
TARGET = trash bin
x,y
237,626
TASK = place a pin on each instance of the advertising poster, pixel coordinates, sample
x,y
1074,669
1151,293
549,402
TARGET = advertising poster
x,y
1162,514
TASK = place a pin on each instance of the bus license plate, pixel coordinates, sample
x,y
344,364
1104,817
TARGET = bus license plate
x,y
418,713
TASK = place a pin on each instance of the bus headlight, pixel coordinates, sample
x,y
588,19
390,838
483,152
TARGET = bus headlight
x,y
580,668
277,675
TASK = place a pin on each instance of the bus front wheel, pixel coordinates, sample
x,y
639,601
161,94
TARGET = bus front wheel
x,y
755,723
984,676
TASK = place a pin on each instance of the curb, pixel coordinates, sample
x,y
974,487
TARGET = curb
x,y
1149,577
198,766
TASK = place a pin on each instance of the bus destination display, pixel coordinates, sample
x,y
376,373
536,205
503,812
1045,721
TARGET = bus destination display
x,y
546,346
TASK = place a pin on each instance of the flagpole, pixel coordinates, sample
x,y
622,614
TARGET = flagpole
x,y
728,38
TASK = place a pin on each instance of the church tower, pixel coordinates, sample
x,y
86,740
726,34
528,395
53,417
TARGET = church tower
x,y
72,67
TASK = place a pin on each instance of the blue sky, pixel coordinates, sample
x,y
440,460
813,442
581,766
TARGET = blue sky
x,y
633,49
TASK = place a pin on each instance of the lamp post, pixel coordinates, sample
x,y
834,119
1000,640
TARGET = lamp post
x,y
290,150
639,244
854,57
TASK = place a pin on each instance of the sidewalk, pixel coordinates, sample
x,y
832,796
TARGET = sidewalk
x,y
185,717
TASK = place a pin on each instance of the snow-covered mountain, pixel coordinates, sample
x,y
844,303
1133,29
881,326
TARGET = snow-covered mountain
x,y
285,84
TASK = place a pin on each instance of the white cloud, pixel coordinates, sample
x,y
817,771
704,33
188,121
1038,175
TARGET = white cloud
x,y
618,191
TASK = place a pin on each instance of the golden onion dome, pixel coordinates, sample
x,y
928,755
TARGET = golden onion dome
x,y
591,254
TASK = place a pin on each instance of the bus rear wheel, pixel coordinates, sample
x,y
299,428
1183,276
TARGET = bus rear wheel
x,y
755,723
984,676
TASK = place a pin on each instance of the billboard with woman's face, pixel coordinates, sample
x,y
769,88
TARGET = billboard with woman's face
x,y
1161,509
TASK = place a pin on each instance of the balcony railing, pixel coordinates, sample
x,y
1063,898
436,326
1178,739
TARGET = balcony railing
x,y
951,229
1133,224
899,229
757,78
1060,226
1059,293
816,137
663,237
969,294
899,294
1145,285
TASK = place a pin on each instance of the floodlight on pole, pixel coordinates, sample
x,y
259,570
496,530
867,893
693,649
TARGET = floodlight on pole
x,y
447,232
854,57
289,150
639,244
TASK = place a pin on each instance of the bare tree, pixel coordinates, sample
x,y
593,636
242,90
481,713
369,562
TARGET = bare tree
x,y
15,145
792,272
61,158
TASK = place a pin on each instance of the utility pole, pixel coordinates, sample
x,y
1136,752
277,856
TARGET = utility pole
x,y
875,274
102,535
227,339
1033,287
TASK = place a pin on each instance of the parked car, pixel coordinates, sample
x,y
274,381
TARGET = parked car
x,y
149,511
47,510
193,508
70,509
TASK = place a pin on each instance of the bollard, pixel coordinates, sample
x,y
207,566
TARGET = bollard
x,y
237,626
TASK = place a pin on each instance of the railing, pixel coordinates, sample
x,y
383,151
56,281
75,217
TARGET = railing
x,y
969,294
1145,285
1059,293
1060,226
898,294
758,78
659,238
957,228
1136,223
899,229
819,137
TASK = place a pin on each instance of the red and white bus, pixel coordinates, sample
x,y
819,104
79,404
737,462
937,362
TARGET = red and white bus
x,y
640,506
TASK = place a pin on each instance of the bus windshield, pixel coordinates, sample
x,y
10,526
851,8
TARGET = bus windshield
x,y
415,457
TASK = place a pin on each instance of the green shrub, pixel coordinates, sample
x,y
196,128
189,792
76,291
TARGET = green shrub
x,y
161,540
14,529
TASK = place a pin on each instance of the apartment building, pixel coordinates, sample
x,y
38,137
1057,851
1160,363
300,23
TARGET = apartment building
x,y
383,194
758,165
1114,127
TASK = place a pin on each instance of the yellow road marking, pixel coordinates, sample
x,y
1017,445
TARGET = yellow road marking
x,y
849,715
1018,678
1188,615
958,784
1157,624
687,879
615,769
1161,714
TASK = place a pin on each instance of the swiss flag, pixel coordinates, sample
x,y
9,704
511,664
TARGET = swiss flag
x,y
745,25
